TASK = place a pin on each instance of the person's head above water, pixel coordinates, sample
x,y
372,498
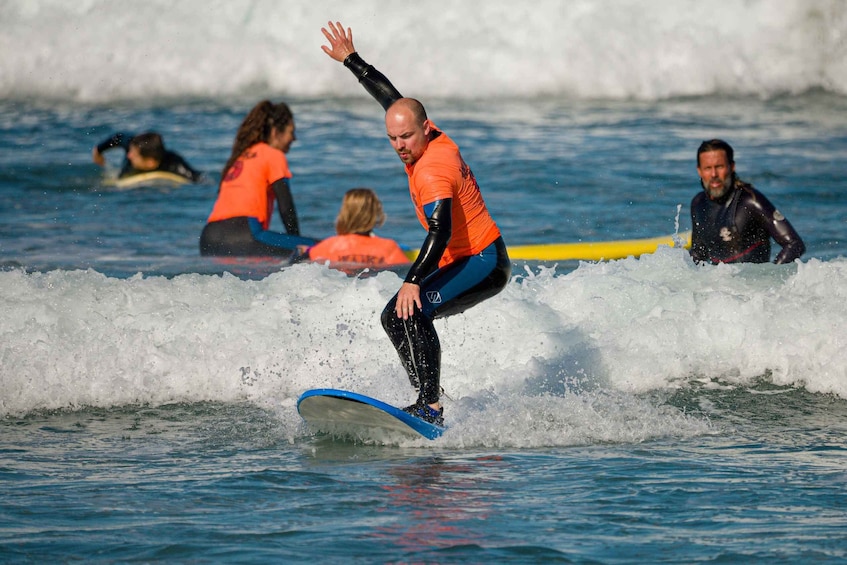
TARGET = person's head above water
x,y
716,167
146,151
265,123
361,211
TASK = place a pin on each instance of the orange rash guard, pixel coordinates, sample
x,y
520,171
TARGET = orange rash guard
x,y
357,248
439,174
246,188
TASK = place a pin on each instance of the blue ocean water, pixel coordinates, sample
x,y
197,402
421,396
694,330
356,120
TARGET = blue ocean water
x,y
640,410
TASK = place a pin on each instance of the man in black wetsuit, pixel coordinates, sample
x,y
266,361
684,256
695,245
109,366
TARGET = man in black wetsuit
x,y
732,222
145,153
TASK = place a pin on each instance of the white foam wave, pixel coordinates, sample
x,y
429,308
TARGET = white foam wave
x,y
551,352
100,50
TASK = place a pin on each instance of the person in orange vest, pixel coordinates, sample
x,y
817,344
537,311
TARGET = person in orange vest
x,y
355,243
255,176
463,259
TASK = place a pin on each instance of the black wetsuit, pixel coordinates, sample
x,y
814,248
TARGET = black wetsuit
x,y
171,162
443,291
738,228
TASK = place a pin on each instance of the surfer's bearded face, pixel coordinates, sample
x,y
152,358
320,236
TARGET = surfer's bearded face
x,y
716,173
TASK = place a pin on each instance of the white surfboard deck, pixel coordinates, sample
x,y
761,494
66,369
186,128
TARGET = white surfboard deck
x,y
345,413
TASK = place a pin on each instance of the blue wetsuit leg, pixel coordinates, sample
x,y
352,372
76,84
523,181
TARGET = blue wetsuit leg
x,y
447,291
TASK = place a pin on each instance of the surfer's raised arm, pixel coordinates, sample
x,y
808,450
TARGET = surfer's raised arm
x,y
342,50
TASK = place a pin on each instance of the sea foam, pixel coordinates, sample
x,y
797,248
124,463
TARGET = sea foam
x,y
633,326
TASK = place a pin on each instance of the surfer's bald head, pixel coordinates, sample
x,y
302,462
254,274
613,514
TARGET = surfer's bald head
x,y
411,105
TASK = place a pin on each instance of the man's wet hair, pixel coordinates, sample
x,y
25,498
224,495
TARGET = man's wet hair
x,y
150,145
716,145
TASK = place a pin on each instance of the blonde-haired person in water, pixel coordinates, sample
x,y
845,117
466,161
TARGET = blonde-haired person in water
x,y
361,212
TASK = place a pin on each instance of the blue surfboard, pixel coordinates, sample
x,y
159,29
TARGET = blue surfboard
x,y
341,412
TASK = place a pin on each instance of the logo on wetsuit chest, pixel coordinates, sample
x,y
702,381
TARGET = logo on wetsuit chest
x,y
433,296
725,234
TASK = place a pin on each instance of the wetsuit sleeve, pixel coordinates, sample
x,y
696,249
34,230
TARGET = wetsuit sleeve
x,y
779,228
374,81
792,245
285,204
440,229
118,140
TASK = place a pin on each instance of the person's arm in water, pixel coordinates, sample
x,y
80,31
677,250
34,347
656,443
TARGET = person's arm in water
x,y
792,246
285,205
341,49
118,140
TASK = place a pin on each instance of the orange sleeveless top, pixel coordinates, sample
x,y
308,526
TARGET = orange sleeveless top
x,y
246,188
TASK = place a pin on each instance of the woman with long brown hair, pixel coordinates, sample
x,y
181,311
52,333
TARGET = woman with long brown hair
x,y
255,175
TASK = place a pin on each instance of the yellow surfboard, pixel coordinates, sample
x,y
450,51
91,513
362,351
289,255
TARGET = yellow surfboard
x,y
589,250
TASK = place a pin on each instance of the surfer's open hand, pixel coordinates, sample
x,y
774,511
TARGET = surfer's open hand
x,y
340,41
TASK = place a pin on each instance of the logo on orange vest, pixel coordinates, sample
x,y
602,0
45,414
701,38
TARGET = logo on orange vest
x,y
234,171
433,296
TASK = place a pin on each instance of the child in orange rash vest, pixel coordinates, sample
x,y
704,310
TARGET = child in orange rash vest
x,y
361,211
